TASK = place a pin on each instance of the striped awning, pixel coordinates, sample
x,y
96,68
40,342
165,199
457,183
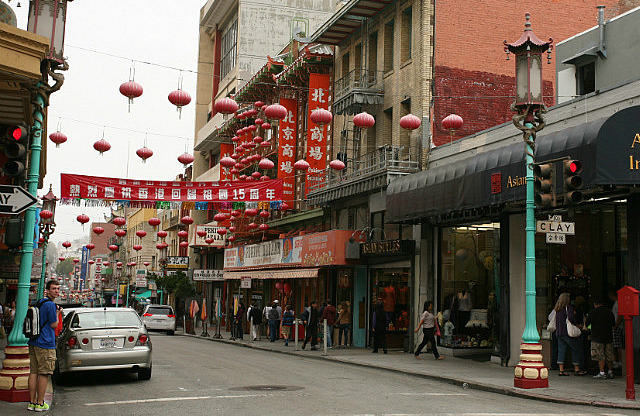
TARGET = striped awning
x,y
273,274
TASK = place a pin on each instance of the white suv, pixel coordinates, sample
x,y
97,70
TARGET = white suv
x,y
159,317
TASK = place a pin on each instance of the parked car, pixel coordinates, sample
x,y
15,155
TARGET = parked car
x,y
160,317
103,339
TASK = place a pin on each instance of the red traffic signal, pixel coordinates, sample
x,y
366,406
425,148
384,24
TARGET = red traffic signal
x,y
17,133
572,181
574,166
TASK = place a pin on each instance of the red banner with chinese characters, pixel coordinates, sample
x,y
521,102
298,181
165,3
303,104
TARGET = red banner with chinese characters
x,y
287,138
317,135
93,187
226,150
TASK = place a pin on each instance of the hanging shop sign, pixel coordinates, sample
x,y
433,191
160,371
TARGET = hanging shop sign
x,y
208,275
387,247
177,262
245,282
287,138
141,278
211,232
92,187
319,97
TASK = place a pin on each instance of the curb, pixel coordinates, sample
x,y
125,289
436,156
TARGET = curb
x,y
508,391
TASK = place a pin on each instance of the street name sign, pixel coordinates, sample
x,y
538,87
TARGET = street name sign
x,y
555,230
15,199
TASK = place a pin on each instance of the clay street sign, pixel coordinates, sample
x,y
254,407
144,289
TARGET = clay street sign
x,y
14,199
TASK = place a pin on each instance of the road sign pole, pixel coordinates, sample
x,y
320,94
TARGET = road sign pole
x,y
16,338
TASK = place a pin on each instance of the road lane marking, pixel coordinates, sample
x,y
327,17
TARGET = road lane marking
x,y
171,399
431,394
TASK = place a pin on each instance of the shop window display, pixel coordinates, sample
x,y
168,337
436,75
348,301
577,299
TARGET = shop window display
x,y
391,287
469,286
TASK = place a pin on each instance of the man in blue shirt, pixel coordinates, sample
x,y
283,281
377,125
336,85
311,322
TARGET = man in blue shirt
x,y
42,349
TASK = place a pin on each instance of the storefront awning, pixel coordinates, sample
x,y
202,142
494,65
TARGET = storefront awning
x,y
274,274
609,149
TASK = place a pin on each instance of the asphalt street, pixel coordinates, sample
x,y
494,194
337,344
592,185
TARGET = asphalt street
x,y
198,377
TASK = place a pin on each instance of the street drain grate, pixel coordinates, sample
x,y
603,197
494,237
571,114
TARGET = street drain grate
x,y
266,388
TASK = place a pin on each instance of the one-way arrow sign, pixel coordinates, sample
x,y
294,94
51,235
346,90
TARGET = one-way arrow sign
x,y
15,199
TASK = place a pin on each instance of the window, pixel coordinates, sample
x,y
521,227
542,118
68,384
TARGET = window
x,y
373,51
357,58
406,38
229,51
586,78
345,64
388,46
388,126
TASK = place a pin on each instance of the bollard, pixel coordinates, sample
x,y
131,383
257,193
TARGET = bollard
x,y
297,323
324,338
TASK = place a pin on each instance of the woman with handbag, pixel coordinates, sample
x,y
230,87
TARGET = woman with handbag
x,y
568,335
429,328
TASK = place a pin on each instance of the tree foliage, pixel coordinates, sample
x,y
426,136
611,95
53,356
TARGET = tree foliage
x,y
65,267
177,284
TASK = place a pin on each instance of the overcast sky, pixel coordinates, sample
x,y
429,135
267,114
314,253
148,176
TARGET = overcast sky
x,y
161,32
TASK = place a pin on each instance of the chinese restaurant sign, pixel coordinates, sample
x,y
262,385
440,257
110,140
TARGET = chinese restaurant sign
x,y
317,135
288,134
212,232
93,187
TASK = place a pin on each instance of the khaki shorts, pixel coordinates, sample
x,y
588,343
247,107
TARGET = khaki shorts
x,y
41,360
286,330
601,352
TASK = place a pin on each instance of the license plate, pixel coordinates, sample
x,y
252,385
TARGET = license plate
x,y
108,343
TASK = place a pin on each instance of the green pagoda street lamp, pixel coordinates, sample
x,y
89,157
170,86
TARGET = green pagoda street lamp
x,y
47,227
529,108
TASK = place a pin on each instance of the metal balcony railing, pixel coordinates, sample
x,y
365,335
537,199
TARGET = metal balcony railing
x,y
359,80
386,159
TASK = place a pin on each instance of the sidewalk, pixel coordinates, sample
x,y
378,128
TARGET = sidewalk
x,y
459,372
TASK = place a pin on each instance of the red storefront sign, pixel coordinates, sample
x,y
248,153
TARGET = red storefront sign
x,y
93,187
319,97
287,138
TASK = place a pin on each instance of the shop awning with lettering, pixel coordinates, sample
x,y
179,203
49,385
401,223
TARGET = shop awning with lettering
x,y
274,274
609,149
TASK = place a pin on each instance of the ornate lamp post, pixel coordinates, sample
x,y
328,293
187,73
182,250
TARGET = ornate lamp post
x,y
529,108
47,227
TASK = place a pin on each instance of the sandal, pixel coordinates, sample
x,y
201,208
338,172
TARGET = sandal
x,y
563,374
581,373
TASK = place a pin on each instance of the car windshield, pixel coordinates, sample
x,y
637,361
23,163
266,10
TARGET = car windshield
x,y
105,319
159,310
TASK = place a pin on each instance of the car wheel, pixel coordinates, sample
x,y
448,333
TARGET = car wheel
x,y
170,332
144,373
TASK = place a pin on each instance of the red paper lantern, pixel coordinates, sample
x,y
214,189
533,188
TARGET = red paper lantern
x,y
61,258
133,263
98,230
102,146
243,177
275,111
258,122
265,144
162,234
179,98
209,240
452,122
252,226
219,217
66,244
225,105
232,229
76,260
141,233
284,206
251,212
159,246
201,233
91,262
287,288
364,120
257,139
154,222
119,221
119,264
410,122
301,165
252,128
186,220
90,246
337,164
266,126
82,219
279,285
183,234
45,214
146,263
58,138
113,247
144,153
236,213
258,104
232,238
264,214
137,247
264,178
131,90
185,159
235,139
252,113
120,232
266,164
320,116
264,227
222,231
184,244
227,162
256,175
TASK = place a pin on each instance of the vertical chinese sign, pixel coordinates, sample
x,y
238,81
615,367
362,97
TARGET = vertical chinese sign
x,y
288,133
226,150
317,135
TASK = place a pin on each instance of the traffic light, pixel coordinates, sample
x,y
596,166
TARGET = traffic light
x,y
543,185
572,181
15,147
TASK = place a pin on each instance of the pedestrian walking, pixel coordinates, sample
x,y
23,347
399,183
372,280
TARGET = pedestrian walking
x,y
329,313
287,322
602,321
564,312
254,315
238,320
379,328
42,349
310,320
344,322
274,322
428,325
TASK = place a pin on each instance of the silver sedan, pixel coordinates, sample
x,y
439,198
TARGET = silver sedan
x,y
103,339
